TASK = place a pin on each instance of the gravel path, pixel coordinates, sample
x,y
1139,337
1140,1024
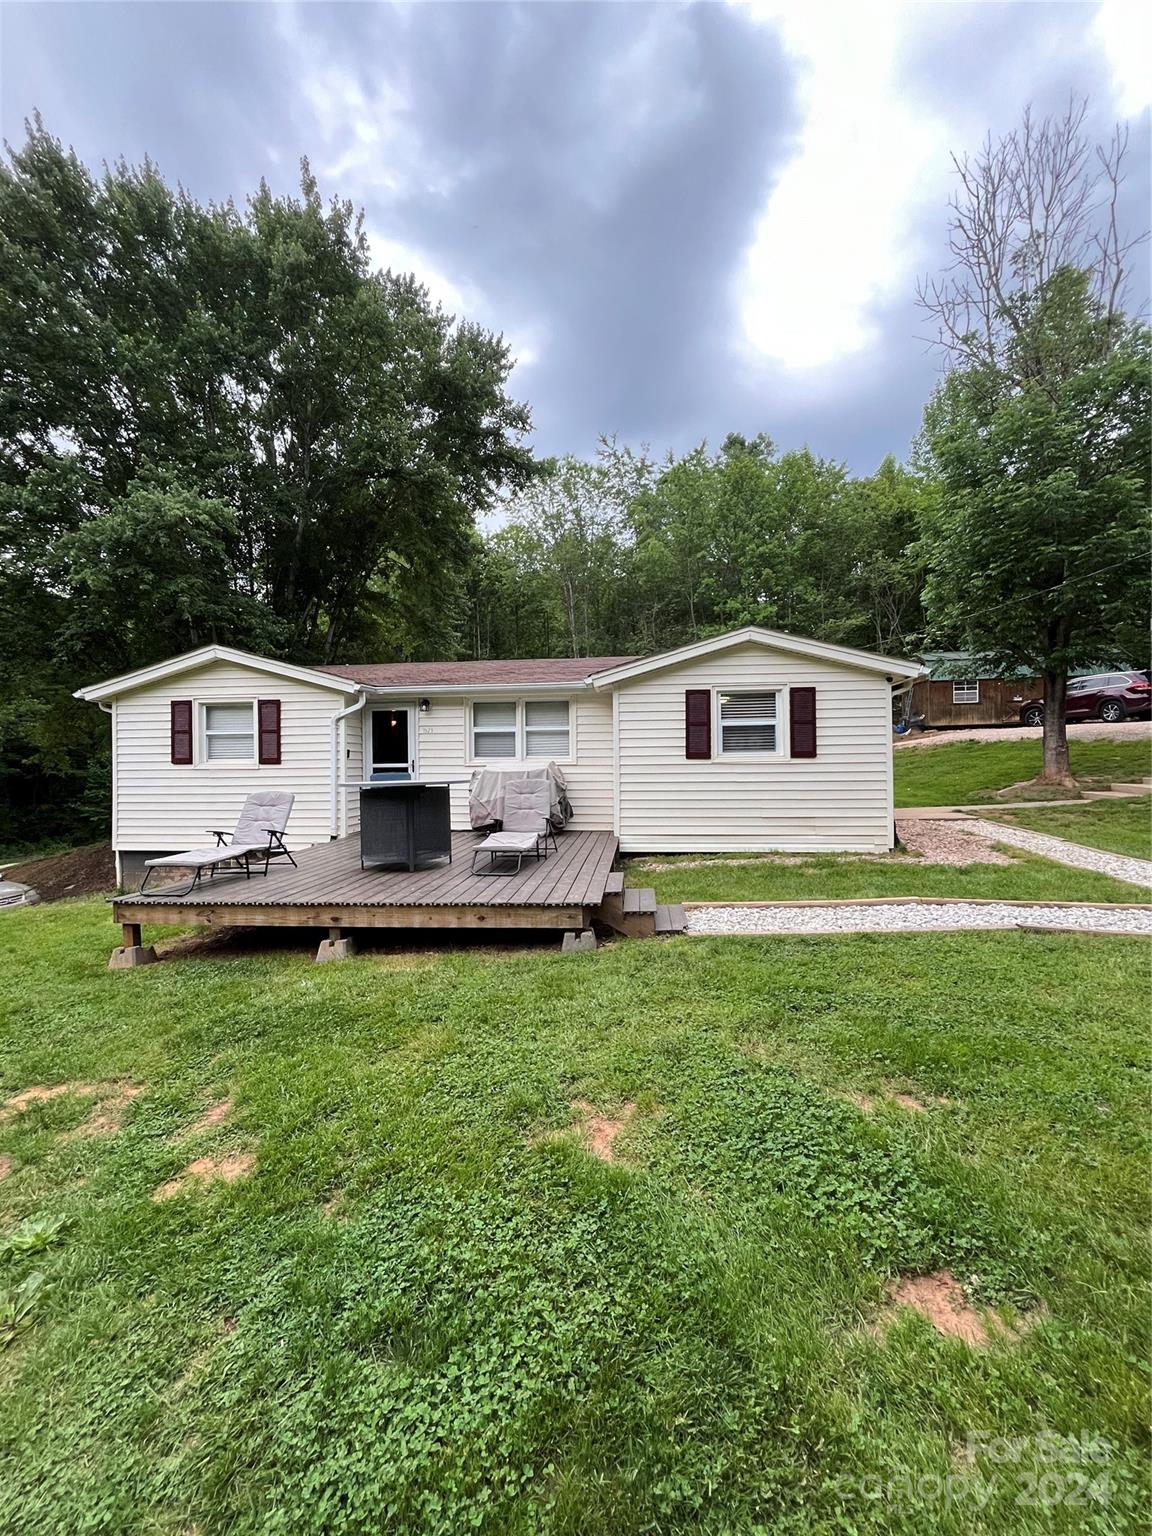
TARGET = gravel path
x,y
913,917
939,842
1120,866
1093,730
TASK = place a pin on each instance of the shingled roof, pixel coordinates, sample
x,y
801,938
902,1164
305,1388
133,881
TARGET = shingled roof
x,y
550,670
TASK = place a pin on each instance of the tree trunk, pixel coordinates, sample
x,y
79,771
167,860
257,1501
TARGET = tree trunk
x,y
1056,768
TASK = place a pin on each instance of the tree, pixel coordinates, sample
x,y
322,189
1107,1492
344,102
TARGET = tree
x,y
221,424
1038,551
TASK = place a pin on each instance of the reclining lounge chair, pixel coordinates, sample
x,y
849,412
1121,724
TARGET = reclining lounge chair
x,y
526,827
258,835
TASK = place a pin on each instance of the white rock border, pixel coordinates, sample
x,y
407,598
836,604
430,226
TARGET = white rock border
x,y
1077,855
914,914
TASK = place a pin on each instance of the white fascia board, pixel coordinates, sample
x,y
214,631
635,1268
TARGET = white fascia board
x,y
191,660
770,639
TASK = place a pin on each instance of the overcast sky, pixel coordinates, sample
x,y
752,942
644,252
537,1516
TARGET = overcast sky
x,y
687,220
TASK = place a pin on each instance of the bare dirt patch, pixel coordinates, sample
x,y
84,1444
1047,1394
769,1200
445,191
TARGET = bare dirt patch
x,y
863,1101
88,871
940,842
867,1102
107,1119
42,1094
599,1132
6,1166
906,1101
206,1170
939,1298
213,1116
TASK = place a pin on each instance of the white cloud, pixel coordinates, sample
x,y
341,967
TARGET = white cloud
x,y
1123,28
834,240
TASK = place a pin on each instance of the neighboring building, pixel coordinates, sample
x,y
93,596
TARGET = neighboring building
x,y
954,693
750,740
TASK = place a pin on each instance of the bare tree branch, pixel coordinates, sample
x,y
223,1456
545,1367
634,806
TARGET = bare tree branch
x,y
1037,201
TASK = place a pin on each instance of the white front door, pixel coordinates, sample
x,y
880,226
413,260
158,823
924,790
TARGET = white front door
x,y
391,743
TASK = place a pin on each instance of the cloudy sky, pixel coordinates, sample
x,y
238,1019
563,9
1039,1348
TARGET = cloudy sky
x,y
687,219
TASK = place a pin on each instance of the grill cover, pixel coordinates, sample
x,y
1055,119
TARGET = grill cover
x,y
486,792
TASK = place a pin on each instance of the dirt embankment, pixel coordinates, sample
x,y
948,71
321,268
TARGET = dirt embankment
x,y
89,871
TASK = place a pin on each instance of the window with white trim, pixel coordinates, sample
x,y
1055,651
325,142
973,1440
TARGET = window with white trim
x,y
966,693
494,730
228,732
749,722
546,728
521,728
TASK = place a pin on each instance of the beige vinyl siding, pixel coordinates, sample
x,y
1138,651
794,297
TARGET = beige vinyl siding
x,y
444,752
841,799
162,806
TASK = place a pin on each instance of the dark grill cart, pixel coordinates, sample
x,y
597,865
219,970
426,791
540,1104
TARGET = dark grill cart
x,y
404,822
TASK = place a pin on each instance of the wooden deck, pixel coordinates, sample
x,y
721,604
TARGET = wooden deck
x,y
330,890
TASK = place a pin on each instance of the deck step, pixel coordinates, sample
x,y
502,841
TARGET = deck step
x,y
638,899
614,883
670,918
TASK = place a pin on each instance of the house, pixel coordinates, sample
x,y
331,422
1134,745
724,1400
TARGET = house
x,y
749,740
955,691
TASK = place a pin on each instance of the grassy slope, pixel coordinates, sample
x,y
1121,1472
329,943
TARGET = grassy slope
x,y
1119,826
491,1330
970,772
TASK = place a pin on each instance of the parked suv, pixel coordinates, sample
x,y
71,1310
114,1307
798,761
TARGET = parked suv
x,y
1107,696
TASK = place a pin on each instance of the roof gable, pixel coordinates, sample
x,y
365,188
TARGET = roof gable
x,y
142,677
770,639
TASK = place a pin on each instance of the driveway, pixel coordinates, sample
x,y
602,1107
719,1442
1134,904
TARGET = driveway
x,y
1087,730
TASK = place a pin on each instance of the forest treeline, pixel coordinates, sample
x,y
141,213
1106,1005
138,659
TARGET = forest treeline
x,y
626,554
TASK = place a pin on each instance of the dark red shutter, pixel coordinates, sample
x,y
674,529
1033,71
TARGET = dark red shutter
x,y
697,722
268,715
802,720
181,730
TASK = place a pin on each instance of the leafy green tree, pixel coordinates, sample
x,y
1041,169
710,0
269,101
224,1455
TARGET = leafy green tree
x,y
1039,436
219,424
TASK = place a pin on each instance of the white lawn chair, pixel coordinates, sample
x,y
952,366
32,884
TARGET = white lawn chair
x,y
258,834
526,829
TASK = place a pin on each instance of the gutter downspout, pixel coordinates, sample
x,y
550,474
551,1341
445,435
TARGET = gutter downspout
x,y
111,713
341,715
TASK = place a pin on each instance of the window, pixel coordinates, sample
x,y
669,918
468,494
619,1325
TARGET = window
x,y
546,728
537,728
748,722
229,733
493,730
966,693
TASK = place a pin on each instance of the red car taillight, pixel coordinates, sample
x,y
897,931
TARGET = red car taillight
x,y
1140,687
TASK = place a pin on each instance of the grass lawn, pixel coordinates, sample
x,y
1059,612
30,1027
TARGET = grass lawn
x,y
820,877
970,772
419,1312
1119,826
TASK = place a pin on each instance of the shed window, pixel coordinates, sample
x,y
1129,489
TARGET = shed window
x,y
229,732
748,722
494,730
966,693
546,728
